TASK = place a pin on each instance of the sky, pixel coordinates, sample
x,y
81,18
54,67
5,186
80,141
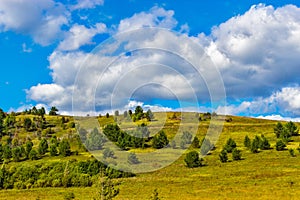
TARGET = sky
x,y
50,56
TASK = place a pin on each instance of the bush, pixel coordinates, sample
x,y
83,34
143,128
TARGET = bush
x,y
192,159
255,144
264,143
196,143
33,155
280,145
159,141
236,154
230,145
247,142
206,146
69,196
292,152
132,159
64,148
223,156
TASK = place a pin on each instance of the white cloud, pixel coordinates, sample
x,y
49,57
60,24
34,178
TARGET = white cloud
x,y
40,19
26,49
279,118
79,35
257,51
86,4
156,17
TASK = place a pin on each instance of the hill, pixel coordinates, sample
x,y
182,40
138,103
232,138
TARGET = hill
x,y
266,174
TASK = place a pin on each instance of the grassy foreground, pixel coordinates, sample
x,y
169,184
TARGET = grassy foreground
x,y
269,174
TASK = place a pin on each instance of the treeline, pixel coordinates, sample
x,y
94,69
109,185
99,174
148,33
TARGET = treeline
x,y
71,173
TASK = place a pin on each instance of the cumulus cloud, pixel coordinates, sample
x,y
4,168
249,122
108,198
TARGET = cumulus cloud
x,y
156,17
42,20
87,4
258,51
79,35
284,102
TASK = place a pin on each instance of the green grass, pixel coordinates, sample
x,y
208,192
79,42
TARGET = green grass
x,y
269,174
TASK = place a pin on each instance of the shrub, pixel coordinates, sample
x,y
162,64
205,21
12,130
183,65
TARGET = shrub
x,y
33,155
196,143
132,159
280,145
192,159
236,154
255,144
264,143
159,141
247,142
292,152
223,156
230,145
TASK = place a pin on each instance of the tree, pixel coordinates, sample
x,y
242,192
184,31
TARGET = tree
x,y
108,153
160,140
33,155
206,146
53,111
64,148
53,150
117,113
6,152
95,140
196,143
264,143
223,156
27,123
125,114
230,145
28,147
280,145
130,112
255,145
247,142
236,154
292,152
149,115
107,115
187,137
173,144
192,159
154,195
107,190
132,159
43,146
292,128
16,154
278,130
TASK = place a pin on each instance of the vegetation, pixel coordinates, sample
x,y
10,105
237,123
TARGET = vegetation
x,y
192,159
32,174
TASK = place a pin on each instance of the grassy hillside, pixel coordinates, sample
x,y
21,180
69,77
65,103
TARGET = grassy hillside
x,y
269,174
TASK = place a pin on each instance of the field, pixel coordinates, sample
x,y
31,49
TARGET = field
x,y
269,174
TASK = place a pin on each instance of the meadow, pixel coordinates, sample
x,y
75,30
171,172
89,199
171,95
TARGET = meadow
x,y
269,174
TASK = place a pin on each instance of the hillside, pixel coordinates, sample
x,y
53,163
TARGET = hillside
x,y
266,174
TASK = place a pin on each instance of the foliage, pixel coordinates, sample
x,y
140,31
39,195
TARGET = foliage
x,y
230,145
149,115
264,143
53,111
196,143
132,159
223,156
95,140
160,140
33,155
206,146
192,159
280,145
292,152
247,142
107,189
64,148
154,195
236,154
43,147
108,153
187,137
255,144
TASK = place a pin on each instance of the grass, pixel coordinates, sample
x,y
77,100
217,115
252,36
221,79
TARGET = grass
x,y
269,174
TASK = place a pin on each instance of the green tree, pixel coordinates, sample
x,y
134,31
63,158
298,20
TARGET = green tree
x,y
223,156
53,150
28,147
236,154
95,140
160,140
132,159
264,143
107,115
64,148
16,154
173,144
53,111
6,152
280,145
33,155
27,123
247,142
149,115
206,146
187,137
43,146
125,114
108,153
292,128
196,143
107,189
117,113
255,144
192,159
230,145
278,130
292,152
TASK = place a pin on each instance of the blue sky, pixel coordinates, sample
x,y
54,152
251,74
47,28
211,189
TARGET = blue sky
x,y
255,48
